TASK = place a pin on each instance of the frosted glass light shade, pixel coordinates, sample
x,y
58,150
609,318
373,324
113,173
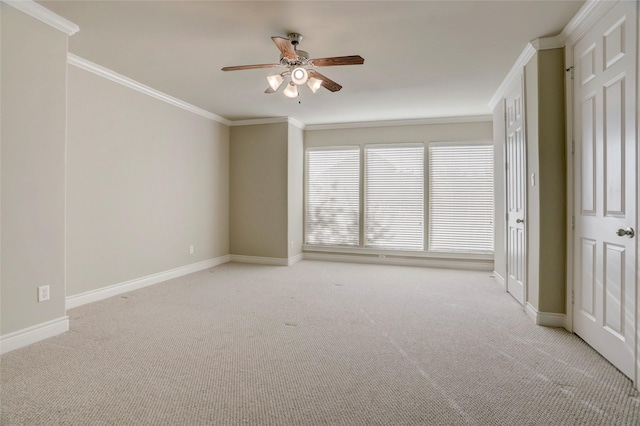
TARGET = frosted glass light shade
x,y
291,91
314,84
299,76
275,81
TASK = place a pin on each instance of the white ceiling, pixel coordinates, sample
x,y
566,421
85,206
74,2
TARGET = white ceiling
x,y
423,59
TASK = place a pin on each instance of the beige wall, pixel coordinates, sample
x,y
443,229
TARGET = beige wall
x,y
146,180
552,180
533,192
546,202
295,178
34,57
259,204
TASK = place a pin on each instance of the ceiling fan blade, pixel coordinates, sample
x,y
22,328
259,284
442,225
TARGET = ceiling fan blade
x,y
270,90
337,60
249,67
327,83
286,48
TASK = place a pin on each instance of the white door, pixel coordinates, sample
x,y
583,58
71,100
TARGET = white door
x,y
605,170
516,192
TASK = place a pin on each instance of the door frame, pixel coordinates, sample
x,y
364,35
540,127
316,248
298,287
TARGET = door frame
x,y
584,21
569,111
636,379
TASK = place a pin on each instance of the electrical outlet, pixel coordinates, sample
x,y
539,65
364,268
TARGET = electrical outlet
x,y
191,250
291,244
43,293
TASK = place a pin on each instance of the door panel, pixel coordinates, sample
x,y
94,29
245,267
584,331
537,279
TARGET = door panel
x,y
614,257
614,43
613,140
588,192
587,299
516,193
605,181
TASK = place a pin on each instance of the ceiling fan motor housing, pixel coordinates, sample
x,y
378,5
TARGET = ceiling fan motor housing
x,y
295,38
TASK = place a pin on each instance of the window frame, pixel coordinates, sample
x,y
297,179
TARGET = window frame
x,y
364,148
373,255
428,193
306,195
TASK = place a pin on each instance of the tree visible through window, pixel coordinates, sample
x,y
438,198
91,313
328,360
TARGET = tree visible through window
x,y
333,196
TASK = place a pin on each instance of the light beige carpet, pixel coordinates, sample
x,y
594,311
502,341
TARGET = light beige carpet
x,y
313,344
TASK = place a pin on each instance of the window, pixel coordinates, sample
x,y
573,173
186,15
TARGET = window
x,y
333,196
394,196
461,197
401,197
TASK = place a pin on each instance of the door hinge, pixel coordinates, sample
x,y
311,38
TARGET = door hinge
x,y
573,222
573,297
570,69
573,147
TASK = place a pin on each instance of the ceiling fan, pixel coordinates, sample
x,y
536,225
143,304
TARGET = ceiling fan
x,y
299,69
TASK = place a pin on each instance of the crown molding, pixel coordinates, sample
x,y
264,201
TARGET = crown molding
x,y
361,124
582,21
132,84
393,123
514,73
590,12
296,123
272,120
258,121
43,14
546,43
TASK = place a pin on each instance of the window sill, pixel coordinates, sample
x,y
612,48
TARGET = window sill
x,y
477,261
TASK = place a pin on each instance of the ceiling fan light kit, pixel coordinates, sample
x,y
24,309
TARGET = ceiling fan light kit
x,y
275,81
314,84
300,68
291,91
299,76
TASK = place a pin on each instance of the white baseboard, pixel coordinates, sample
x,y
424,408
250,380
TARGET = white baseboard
x,y
531,312
295,259
546,319
475,265
274,261
36,333
500,280
113,290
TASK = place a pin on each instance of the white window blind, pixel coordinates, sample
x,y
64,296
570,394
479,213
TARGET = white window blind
x,y
460,197
333,196
394,197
